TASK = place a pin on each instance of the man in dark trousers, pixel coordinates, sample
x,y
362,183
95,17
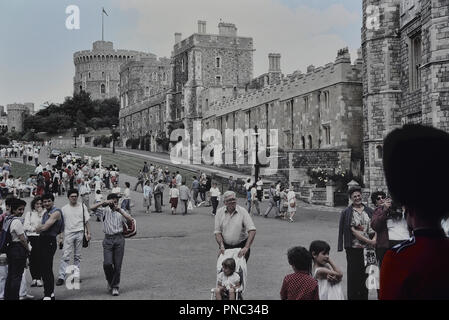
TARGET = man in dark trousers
x,y
416,168
114,242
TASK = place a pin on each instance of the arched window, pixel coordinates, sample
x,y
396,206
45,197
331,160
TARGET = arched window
x,y
81,88
310,142
103,89
303,140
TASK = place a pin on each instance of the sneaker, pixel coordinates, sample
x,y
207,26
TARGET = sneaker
x,y
115,292
60,282
33,283
40,283
290,220
27,297
46,298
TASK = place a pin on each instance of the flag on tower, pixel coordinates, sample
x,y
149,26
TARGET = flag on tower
x,y
104,11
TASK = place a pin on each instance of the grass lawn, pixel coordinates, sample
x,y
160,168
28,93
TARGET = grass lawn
x,y
19,169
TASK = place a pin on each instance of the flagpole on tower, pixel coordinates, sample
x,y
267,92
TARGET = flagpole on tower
x,y
102,24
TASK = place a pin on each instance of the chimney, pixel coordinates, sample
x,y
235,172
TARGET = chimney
x,y
201,27
178,37
274,62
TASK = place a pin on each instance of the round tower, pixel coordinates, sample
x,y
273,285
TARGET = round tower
x,y
381,83
97,71
16,116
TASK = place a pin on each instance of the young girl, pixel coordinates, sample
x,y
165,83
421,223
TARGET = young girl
x,y
228,280
174,195
147,195
326,272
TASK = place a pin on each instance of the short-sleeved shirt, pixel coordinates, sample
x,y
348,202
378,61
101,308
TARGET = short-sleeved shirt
x,y
73,217
233,279
361,222
16,229
234,228
112,221
299,286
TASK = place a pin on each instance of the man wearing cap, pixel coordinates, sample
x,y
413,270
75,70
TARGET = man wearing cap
x,y
114,243
415,162
234,227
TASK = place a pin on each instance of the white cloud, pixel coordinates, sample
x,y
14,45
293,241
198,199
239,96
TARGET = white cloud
x,y
303,35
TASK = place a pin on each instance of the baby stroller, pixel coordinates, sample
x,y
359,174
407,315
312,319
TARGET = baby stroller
x,y
240,268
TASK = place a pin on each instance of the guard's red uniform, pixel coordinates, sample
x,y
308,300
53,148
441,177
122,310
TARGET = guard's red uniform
x,y
417,268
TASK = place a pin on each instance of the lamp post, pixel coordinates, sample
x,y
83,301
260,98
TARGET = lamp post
x,y
113,138
75,134
257,165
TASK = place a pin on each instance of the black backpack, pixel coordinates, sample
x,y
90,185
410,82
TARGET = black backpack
x,y
5,236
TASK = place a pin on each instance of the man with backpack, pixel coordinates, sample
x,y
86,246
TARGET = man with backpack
x,y
52,226
4,261
14,243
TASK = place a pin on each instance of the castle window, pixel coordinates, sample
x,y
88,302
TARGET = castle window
x,y
415,62
327,134
103,89
218,62
89,75
306,104
326,99
182,65
102,74
379,152
81,88
310,142
303,141
218,80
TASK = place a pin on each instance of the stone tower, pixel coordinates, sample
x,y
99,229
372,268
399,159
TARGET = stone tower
x,y
406,72
207,68
16,116
381,83
97,71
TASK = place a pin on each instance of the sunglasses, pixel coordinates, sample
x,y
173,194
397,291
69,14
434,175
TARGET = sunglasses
x,y
381,198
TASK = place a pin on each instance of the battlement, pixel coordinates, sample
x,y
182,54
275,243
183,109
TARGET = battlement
x,y
226,38
16,107
104,51
293,85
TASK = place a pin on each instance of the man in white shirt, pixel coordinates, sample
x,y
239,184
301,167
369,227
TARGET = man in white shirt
x,y
84,191
234,227
178,179
75,226
38,169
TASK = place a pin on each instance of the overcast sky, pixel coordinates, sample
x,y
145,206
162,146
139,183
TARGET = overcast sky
x,y
36,48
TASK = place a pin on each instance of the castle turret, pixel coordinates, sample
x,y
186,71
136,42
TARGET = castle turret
x,y
97,71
